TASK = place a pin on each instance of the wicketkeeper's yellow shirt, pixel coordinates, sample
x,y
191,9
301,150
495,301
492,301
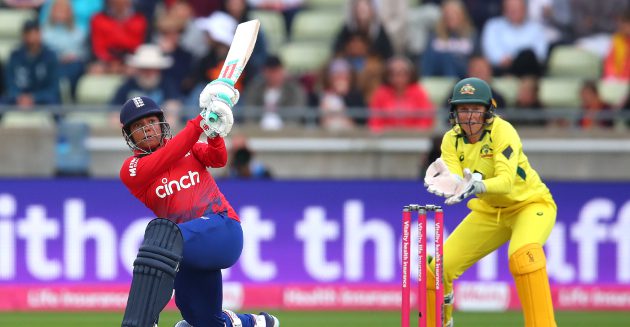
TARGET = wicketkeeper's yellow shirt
x,y
498,156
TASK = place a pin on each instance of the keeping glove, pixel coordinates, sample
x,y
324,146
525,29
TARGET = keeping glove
x,y
471,184
439,180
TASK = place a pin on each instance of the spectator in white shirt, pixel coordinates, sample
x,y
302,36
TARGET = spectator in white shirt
x,y
512,43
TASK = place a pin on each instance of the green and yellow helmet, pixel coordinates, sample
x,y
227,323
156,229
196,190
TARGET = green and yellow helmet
x,y
472,90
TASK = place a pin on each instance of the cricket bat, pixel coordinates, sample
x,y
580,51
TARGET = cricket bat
x,y
240,50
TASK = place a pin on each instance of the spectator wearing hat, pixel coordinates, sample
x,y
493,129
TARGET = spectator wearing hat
x,y
32,72
116,32
273,90
147,66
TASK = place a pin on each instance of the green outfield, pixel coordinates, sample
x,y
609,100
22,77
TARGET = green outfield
x,y
319,319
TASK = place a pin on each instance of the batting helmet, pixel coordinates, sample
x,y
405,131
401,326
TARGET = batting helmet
x,y
137,108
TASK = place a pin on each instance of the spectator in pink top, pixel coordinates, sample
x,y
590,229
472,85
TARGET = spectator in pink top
x,y
400,102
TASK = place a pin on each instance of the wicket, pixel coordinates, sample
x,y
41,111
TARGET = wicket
x,y
422,263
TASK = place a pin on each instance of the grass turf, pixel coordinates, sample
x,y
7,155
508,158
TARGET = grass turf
x,y
318,319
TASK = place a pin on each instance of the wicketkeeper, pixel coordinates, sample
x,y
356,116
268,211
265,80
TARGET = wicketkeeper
x,y
482,155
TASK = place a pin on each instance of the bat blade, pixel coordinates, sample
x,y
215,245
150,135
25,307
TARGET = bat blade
x,y
240,50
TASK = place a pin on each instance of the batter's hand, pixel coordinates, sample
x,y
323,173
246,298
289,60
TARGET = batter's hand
x,y
220,88
471,184
439,180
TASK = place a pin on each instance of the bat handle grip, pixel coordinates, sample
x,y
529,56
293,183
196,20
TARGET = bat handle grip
x,y
212,117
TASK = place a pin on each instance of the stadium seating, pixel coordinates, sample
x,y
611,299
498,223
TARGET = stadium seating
x,y
571,61
6,46
273,25
97,89
508,87
26,119
92,119
561,93
11,21
316,25
613,92
304,57
438,88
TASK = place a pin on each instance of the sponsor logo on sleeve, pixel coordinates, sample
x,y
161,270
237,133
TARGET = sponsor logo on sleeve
x,y
133,165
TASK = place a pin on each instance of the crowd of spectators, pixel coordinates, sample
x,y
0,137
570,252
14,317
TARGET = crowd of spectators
x,y
169,49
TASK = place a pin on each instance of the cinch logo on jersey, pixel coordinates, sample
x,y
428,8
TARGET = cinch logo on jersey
x,y
132,166
169,187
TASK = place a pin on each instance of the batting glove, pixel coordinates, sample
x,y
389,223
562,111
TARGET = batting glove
x,y
216,102
439,181
471,184
220,88
217,119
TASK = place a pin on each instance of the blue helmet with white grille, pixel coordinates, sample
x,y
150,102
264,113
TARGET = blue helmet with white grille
x,y
138,108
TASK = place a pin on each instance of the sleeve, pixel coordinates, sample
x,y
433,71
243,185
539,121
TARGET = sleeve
x,y
12,89
609,61
148,167
213,154
49,92
449,154
383,44
341,39
133,33
508,147
99,38
491,51
540,44
376,122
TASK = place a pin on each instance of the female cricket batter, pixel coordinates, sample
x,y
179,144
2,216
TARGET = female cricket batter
x,y
482,154
201,233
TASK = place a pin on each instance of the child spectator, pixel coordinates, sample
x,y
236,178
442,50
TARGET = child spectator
x,y
594,109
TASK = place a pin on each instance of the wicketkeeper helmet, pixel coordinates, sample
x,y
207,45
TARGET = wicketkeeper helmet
x,y
472,90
